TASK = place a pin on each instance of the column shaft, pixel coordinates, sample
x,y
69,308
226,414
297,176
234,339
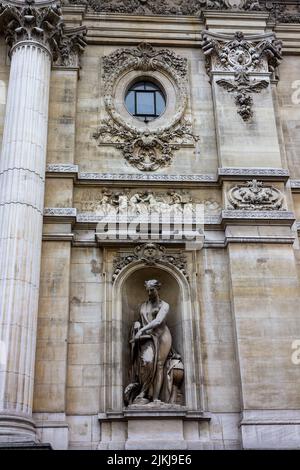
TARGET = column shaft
x,y
22,180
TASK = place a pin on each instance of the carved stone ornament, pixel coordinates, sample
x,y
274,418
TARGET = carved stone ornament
x,y
255,195
146,149
152,7
241,56
281,11
133,203
157,370
150,254
44,25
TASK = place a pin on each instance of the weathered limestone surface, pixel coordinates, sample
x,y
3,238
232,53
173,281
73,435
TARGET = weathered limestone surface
x,y
265,295
62,116
53,325
84,337
4,76
288,92
234,314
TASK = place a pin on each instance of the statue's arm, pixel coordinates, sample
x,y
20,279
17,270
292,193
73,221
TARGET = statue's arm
x,y
160,318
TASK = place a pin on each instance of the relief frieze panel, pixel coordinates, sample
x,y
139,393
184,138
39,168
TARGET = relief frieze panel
x,y
134,202
280,11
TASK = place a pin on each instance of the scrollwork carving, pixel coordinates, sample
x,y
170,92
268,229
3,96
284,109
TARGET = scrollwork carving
x,y
145,149
255,195
150,254
280,11
242,86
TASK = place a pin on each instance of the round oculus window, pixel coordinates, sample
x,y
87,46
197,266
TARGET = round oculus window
x,y
145,100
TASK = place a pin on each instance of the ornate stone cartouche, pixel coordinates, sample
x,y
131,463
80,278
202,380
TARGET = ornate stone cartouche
x,y
255,195
145,149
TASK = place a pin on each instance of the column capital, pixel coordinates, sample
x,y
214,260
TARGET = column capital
x,y
239,52
41,23
237,57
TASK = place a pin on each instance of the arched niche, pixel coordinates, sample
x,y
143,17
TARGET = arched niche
x,y
127,293
134,294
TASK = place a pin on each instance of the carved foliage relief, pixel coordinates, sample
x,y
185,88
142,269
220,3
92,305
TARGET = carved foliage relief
x,y
43,24
150,254
255,195
152,7
145,148
241,56
281,11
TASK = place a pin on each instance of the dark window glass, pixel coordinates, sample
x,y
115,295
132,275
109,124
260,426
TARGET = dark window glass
x,y
130,102
145,100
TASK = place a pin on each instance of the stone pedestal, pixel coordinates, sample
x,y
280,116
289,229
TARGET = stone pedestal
x,y
145,429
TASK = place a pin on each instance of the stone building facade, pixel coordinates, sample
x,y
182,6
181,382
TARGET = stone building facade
x,y
150,106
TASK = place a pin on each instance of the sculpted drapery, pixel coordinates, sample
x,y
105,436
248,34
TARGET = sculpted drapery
x,y
156,369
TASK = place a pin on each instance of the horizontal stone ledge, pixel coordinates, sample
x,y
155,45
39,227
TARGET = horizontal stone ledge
x,y
224,174
249,217
134,414
63,237
60,214
266,174
196,178
271,240
261,417
295,186
62,170
66,170
72,68
30,445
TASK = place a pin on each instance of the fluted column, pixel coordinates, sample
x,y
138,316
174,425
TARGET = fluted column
x,y
33,34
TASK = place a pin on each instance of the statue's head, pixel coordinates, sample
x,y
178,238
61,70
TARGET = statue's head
x,y
152,287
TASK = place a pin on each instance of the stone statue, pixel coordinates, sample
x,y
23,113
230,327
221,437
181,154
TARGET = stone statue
x,y
103,208
156,369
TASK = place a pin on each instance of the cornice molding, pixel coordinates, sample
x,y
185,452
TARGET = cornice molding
x,y
245,217
66,170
